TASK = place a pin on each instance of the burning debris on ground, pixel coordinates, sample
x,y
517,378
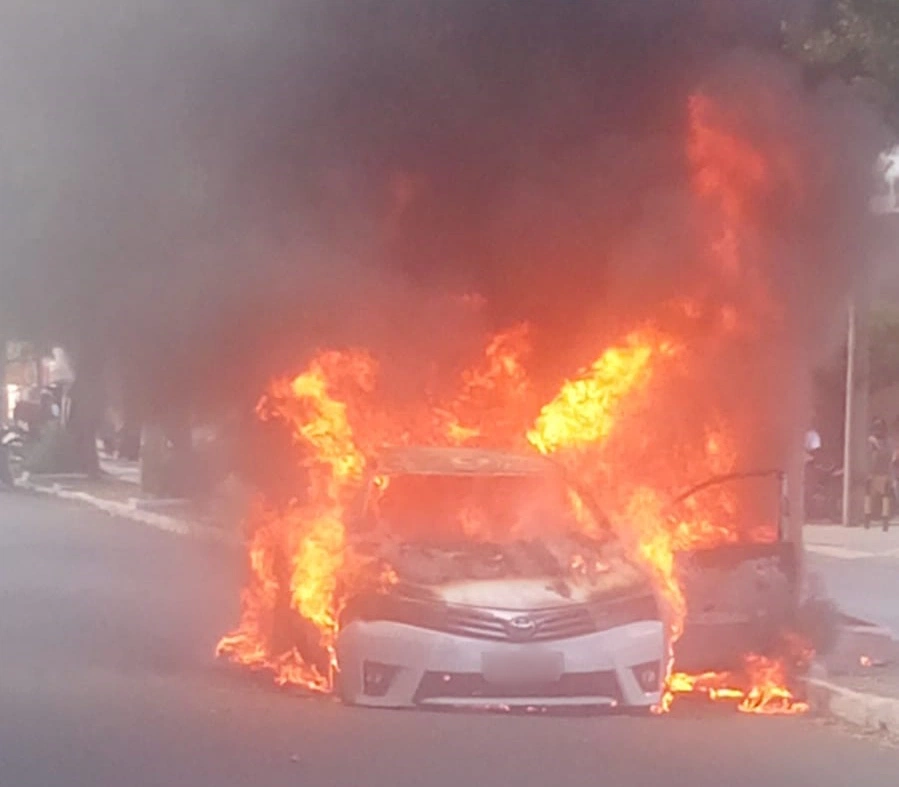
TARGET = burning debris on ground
x,y
762,686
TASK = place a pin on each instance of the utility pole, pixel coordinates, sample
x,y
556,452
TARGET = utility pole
x,y
858,360
855,441
4,400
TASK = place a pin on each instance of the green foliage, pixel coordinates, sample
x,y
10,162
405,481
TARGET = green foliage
x,y
850,38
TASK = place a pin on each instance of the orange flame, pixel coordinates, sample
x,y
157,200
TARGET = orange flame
x,y
585,409
495,394
307,536
761,688
628,427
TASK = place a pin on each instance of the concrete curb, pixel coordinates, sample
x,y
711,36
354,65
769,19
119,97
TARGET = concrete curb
x,y
871,712
164,522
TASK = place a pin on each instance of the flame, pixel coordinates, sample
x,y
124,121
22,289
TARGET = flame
x,y
606,425
494,394
246,644
633,427
307,535
584,410
586,426
760,688
768,691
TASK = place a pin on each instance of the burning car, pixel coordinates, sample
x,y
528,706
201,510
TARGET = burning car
x,y
499,595
411,594
467,576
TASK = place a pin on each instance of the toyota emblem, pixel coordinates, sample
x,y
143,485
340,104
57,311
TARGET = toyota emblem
x,y
521,627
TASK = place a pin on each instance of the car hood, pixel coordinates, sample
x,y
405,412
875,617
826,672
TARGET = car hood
x,y
550,572
513,594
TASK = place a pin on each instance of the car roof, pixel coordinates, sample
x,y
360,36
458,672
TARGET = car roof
x,y
427,460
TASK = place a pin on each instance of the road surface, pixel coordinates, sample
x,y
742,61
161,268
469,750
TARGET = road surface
x,y
106,679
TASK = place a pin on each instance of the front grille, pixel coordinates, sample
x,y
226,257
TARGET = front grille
x,y
548,625
467,685
503,625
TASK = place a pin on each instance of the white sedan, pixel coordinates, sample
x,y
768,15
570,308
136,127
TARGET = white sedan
x,y
514,608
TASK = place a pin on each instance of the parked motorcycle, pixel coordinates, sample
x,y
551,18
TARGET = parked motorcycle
x,y
15,442
8,440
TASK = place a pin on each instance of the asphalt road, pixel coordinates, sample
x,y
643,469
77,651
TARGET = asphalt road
x,y
106,679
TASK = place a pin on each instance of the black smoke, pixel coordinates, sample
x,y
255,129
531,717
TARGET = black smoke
x,y
204,191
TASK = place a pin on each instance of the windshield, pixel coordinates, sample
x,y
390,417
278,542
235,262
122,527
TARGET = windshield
x,y
447,509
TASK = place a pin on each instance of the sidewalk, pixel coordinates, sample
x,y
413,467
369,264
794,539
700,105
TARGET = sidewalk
x,y
868,699
122,469
860,572
118,493
860,569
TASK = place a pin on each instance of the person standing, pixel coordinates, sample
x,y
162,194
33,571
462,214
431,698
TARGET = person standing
x,y
812,444
879,489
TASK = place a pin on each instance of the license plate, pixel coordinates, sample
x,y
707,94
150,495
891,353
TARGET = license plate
x,y
527,666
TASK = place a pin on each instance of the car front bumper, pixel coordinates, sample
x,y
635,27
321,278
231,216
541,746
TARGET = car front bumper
x,y
389,664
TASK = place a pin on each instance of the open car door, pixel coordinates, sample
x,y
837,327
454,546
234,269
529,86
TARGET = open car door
x,y
742,595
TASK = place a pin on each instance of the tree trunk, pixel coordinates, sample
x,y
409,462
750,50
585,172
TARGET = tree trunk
x,y
128,443
165,456
855,452
4,401
83,412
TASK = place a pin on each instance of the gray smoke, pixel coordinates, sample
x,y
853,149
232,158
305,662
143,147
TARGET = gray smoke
x,y
208,189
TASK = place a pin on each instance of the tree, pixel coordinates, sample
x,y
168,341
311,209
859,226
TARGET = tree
x,y
856,40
